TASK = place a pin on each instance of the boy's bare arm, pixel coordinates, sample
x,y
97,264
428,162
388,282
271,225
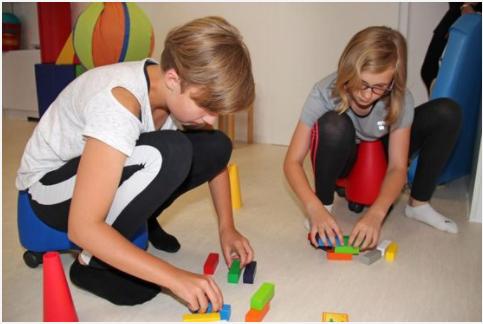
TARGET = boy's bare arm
x,y
231,240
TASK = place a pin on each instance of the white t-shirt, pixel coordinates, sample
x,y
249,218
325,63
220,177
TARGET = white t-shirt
x,y
87,107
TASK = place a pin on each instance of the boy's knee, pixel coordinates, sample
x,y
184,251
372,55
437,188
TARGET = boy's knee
x,y
174,147
222,148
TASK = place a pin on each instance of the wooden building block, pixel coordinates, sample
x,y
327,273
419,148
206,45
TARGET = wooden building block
x,y
206,317
383,246
254,315
225,312
391,252
211,263
262,296
329,243
370,257
335,317
338,257
234,272
346,249
249,273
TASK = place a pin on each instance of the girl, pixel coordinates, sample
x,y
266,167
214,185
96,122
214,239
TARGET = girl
x,y
106,158
366,99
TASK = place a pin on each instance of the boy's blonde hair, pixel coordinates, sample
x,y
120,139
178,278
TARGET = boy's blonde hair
x,y
209,53
374,49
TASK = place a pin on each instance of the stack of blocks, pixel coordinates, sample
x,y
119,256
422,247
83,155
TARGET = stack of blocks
x,y
341,252
58,67
223,315
260,303
344,251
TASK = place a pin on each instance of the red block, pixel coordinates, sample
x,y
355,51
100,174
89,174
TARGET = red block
x,y
211,263
54,28
58,304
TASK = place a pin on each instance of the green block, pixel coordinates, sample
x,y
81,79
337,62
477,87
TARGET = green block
x,y
263,295
346,250
346,239
234,272
233,278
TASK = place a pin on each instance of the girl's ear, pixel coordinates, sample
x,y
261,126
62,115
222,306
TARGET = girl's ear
x,y
172,80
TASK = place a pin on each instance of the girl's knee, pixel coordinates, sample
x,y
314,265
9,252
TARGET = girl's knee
x,y
448,113
336,128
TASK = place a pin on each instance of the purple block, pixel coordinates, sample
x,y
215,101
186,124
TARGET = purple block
x,y
249,274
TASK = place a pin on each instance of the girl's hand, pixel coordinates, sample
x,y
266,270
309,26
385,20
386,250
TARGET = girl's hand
x,y
197,290
366,232
324,224
235,246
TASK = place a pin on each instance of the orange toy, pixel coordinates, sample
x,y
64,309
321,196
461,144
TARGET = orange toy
x,y
254,315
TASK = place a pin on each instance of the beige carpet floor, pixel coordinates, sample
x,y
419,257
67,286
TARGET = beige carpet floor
x,y
436,276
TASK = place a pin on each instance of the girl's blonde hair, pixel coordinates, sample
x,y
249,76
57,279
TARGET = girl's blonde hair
x,y
209,53
374,49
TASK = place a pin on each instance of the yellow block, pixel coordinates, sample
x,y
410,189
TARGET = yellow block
x,y
66,56
207,317
236,201
391,252
335,317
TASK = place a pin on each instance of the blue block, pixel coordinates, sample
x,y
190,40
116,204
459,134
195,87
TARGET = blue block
x,y
51,79
459,78
329,245
225,311
250,271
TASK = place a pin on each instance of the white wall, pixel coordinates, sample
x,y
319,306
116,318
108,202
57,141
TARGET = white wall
x,y
292,46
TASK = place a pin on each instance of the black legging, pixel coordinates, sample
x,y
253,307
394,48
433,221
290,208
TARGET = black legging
x,y
434,133
188,160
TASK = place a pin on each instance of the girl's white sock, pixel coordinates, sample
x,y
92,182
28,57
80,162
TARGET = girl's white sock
x,y
426,214
307,221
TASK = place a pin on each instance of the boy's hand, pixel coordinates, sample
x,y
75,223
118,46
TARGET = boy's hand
x,y
366,232
324,224
197,290
235,245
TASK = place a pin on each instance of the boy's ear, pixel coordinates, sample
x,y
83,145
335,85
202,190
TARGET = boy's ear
x,y
172,80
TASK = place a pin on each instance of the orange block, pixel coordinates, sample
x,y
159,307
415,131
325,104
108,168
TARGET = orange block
x,y
254,315
338,256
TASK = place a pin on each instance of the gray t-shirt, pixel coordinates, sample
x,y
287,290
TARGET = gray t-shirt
x,y
87,107
368,128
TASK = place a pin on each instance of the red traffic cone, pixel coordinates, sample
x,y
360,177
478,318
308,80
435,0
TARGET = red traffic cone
x,y
365,179
58,305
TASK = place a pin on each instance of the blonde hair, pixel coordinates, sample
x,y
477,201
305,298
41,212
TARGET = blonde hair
x,y
210,53
374,49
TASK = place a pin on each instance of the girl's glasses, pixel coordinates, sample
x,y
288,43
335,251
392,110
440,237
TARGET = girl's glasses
x,y
377,90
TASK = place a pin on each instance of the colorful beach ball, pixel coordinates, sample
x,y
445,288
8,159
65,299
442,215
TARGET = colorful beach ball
x,y
107,33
